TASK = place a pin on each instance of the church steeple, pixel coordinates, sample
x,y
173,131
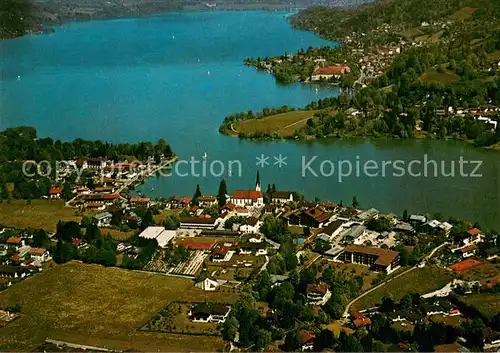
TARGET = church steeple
x,y
257,182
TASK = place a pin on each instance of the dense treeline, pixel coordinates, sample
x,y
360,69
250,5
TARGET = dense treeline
x,y
21,144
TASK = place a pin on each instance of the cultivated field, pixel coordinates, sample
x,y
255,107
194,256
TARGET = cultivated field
x,y
284,124
421,280
94,305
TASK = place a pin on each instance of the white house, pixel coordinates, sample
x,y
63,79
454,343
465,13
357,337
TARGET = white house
x,y
209,312
207,284
247,198
102,219
250,225
318,294
39,254
281,197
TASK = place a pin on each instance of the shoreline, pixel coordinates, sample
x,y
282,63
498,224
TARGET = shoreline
x,y
50,27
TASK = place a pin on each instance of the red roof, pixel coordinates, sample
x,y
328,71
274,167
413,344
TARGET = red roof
x,y
111,197
139,199
332,70
360,320
15,258
37,251
220,249
14,240
247,194
321,288
195,245
185,200
55,190
306,336
474,231
229,206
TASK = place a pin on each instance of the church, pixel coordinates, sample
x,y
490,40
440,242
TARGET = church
x,y
248,197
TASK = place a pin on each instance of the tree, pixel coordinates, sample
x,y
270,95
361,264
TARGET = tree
x,y
196,195
406,301
221,195
355,203
404,257
405,215
230,328
41,239
148,218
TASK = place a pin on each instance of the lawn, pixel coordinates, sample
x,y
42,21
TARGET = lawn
x,y
284,124
95,305
487,304
39,214
421,280
159,218
433,76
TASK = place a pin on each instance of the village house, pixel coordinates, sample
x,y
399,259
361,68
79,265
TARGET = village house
x,y
102,219
209,312
198,223
247,248
417,220
318,294
329,72
180,202
250,225
307,339
330,231
281,197
55,192
207,201
137,201
314,217
467,251
360,320
247,198
222,252
207,284
10,271
15,242
367,215
39,254
376,258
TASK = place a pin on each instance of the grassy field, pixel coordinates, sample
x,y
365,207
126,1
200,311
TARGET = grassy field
x,y
94,305
463,14
487,304
336,327
284,124
433,76
45,214
159,218
421,280
39,214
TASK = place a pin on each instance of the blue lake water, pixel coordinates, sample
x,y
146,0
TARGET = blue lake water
x,y
176,76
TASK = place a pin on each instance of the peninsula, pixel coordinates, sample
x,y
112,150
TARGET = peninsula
x,y
434,75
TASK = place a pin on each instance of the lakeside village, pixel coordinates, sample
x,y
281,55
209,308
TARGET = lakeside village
x,y
227,241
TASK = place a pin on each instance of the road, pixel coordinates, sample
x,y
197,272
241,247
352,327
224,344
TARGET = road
x,y
346,311
297,122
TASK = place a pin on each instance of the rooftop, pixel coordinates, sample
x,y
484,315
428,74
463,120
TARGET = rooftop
x,y
385,257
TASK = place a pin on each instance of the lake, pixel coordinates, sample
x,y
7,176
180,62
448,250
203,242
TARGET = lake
x,y
176,76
